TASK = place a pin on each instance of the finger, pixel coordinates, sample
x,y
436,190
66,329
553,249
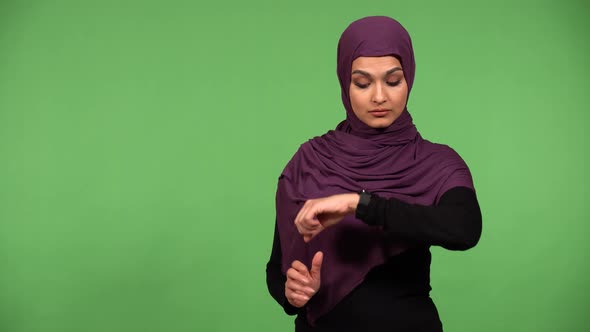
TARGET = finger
x,y
309,218
301,212
306,215
297,277
306,232
300,267
300,297
297,301
300,228
316,265
303,225
306,226
299,288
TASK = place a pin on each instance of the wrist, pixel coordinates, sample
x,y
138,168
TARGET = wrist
x,y
364,198
353,203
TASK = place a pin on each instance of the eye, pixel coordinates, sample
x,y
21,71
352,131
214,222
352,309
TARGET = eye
x,y
362,86
394,83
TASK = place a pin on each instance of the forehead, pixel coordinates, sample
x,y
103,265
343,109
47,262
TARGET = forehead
x,y
375,64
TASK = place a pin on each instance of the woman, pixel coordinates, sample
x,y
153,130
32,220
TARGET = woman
x,y
359,207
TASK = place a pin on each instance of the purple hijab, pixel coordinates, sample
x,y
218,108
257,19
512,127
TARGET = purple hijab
x,y
391,162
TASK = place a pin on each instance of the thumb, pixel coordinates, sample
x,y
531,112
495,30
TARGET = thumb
x,y
316,265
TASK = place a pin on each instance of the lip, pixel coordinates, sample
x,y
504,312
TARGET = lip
x,y
381,112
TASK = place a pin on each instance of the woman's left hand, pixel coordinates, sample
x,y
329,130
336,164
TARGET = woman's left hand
x,y
321,213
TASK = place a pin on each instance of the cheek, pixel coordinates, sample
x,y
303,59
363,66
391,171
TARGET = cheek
x,y
355,100
400,98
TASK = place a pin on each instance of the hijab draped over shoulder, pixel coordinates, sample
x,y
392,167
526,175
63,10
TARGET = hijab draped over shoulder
x,y
391,162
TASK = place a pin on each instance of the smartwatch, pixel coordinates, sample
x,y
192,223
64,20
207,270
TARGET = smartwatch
x,y
363,206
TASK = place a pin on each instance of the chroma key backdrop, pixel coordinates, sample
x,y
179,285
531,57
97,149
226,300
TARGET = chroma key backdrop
x,y
141,142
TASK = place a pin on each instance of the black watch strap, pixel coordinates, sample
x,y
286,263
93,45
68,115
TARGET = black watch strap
x,y
362,208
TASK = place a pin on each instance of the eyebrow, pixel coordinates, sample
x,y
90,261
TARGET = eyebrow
x,y
364,73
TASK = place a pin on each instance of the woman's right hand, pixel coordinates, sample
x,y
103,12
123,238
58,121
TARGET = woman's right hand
x,y
302,283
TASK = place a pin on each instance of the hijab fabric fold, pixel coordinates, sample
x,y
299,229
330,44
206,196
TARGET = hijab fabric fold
x,y
390,162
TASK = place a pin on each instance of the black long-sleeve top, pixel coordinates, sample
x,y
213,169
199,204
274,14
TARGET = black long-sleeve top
x,y
455,223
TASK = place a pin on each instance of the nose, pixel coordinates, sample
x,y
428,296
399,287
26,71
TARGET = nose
x,y
379,94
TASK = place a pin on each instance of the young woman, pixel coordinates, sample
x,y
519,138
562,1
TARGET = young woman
x,y
358,207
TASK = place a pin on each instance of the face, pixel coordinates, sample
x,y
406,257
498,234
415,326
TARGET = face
x,y
378,90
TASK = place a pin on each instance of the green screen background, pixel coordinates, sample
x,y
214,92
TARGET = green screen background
x,y
141,141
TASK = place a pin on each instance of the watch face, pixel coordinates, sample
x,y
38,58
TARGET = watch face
x,y
361,209
365,198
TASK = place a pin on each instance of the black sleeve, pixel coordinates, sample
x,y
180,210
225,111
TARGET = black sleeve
x,y
275,279
454,223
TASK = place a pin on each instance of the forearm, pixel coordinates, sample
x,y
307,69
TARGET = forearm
x,y
455,223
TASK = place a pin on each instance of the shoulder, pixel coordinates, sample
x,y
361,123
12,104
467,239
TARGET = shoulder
x,y
448,165
301,158
441,150
319,143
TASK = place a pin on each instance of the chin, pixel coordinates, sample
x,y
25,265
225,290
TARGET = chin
x,y
380,124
